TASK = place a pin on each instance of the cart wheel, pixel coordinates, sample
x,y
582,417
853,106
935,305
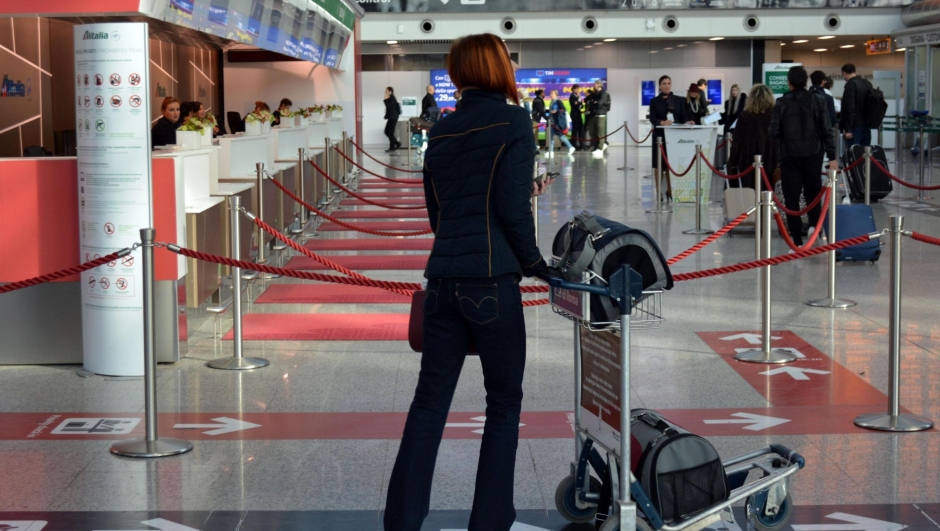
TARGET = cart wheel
x,y
614,525
565,500
764,522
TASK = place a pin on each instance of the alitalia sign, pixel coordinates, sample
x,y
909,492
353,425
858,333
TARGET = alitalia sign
x,y
94,35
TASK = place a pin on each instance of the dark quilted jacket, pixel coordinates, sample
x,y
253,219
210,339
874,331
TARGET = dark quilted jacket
x,y
478,182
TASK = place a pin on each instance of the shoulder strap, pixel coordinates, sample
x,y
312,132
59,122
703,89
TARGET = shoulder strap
x,y
585,221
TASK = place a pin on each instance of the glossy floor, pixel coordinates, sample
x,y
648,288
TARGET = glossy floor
x,y
325,416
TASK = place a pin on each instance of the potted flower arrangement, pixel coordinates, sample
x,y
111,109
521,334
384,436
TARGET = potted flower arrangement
x,y
209,124
337,111
191,132
253,123
267,119
313,113
298,117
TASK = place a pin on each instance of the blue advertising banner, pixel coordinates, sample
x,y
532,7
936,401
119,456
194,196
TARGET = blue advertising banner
x,y
332,58
648,91
560,79
443,89
714,92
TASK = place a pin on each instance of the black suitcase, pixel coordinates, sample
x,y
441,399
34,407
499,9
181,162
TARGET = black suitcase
x,y
881,184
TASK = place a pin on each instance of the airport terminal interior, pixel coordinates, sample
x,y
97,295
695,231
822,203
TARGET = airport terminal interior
x,y
249,364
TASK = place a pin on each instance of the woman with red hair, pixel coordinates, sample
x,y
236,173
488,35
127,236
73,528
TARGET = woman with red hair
x,y
478,185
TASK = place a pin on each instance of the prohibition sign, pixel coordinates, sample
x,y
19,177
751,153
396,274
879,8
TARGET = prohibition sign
x,y
116,101
134,79
91,282
127,261
109,228
121,284
134,100
105,283
115,80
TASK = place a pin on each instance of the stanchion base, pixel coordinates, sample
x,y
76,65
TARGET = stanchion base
x,y
660,211
775,356
238,364
831,303
158,448
698,231
886,422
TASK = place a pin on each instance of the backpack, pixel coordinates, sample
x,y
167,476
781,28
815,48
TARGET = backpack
x,y
875,107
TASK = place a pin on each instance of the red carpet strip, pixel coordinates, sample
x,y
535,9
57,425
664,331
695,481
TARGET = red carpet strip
x,y
399,226
374,195
380,214
328,294
389,186
371,244
402,201
324,327
406,262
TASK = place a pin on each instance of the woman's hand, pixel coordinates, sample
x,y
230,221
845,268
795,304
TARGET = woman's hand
x,y
540,188
665,122
690,122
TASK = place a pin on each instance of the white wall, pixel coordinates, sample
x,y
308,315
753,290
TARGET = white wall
x,y
302,82
373,95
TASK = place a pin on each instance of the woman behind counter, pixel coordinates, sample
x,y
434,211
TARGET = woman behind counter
x,y
695,106
164,130
665,110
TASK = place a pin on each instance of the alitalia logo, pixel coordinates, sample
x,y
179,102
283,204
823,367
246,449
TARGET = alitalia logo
x,y
89,35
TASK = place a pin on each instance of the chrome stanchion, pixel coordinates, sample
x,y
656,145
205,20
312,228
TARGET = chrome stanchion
x,y
550,143
301,160
920,161
239,362
658,207
345,179
894,420
150,445
728,150
897,146
766,354
626,143
259,183
327,155
831,301
698,195
867,176
758,232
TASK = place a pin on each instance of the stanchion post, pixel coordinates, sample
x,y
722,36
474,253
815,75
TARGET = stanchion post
x,y
301,159
698,195
867,175
259,170
345,179
238,362
550,141
897,146
894,420
535,216
658,182
920,160
758,181
626,143
766,354
728,149
327,156
831,301
150,445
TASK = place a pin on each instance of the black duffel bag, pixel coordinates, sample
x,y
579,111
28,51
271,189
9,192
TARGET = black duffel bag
x,y
680,472
597,244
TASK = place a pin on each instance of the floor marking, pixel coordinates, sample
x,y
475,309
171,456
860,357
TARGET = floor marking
x,y
852,523
225,425
795,372
754,422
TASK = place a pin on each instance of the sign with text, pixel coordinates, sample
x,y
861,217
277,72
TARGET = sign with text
x,y
878,46
496,6
560,79
114,189
600,386
680,149
775,77
444,89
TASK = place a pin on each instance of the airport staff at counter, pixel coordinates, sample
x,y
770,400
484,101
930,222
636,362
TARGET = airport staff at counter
x,y
665,110
164,131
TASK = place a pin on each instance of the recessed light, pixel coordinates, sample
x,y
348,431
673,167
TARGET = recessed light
x,y
391,42
681,45
698,42
598,43
824,37
801,41
668,48
609,40
580,50
847,46
900,49
783,44
654,51
588,47
821,50
717,39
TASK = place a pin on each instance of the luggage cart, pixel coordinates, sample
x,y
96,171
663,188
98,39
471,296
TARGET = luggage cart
x,y
615,499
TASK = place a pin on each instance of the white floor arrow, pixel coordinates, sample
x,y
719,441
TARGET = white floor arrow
x,y
795,372
481,422
22,525
165,525
792,350
753,339
852,523
516,526
757,422
226,425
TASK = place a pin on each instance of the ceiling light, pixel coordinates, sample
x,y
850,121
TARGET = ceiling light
x,y
598,43
821,50
681,45
717,39
609,40
801,41
783,44
847,46
900,49
824,37
668,48
391,42
654,51
580,50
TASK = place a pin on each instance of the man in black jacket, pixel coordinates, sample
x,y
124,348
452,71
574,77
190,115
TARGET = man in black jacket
x,y
598,105
818,79
854,97
801,125
428,101
577,120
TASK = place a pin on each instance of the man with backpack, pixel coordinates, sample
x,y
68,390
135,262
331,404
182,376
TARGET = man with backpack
x,y
598,105
800,124
855,123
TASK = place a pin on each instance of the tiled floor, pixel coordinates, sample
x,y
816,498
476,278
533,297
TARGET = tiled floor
x,y
252,482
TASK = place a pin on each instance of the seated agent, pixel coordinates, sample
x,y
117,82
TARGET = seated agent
x,y
164,130
282,110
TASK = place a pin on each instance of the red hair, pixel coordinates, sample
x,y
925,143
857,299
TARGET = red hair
x,y
482,61
167,101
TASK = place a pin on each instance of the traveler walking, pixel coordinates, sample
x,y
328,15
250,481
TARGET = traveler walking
x,y
392,112
750,137
577,117
695,106
598,105
665,110
800,124
478,183
538,114
854,110
734,106
818,81
558,120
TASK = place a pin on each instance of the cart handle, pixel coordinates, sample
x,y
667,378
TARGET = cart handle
x,y
561,283
788,454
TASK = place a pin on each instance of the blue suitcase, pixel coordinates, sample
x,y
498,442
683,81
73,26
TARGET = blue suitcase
x,y
852,221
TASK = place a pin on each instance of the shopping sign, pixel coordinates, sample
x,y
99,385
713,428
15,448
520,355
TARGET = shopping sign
x,y
775,77
878,46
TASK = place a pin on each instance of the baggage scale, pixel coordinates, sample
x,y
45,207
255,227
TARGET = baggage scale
x,y
614,498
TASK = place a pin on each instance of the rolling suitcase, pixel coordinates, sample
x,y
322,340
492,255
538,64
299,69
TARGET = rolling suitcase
x,y
852,221
881,184
735,202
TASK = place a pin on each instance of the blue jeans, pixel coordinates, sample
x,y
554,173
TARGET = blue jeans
x,y
563,139
861,136
489,310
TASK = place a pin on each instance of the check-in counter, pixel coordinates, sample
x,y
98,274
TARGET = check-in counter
x,y
237,159
318,131
335,126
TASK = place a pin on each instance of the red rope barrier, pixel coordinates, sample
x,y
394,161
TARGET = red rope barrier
x,y
776,260
786,210
878,165
361,167
923,238
724,175
555,127
342,223
718,234
662,150
361,198
816,231
377,160
723,144
639,141
62,273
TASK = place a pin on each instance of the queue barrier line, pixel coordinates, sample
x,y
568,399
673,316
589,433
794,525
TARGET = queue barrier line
x,y
67,272
718,234
372,173
736,176
662,150
360,197
635,141
357,146
787,211
898,180
605,137
816,232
